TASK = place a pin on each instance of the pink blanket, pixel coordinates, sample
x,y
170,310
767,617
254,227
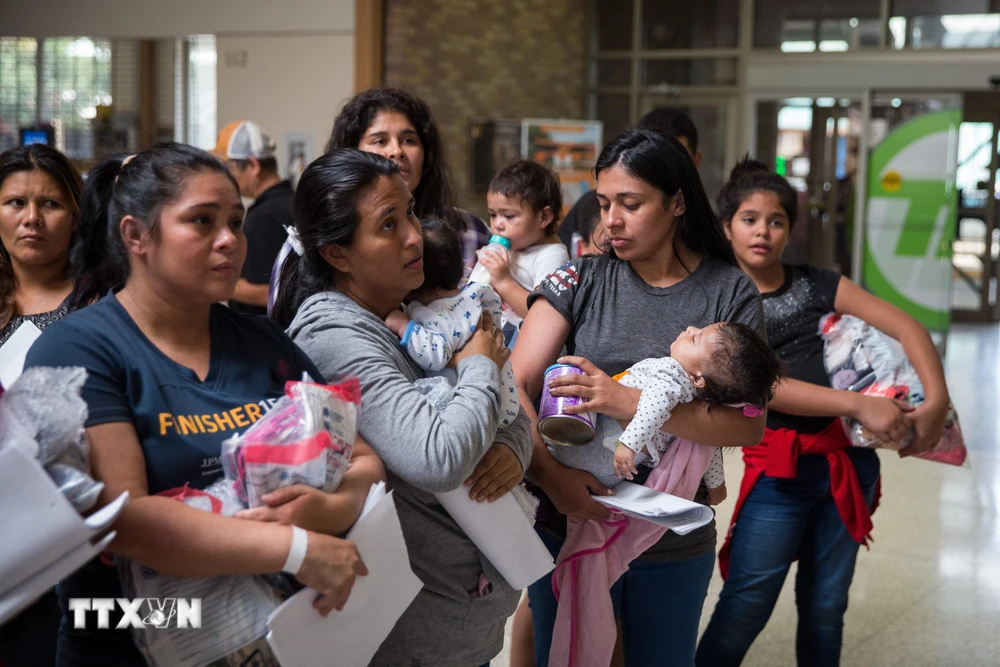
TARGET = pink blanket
x,y
597,553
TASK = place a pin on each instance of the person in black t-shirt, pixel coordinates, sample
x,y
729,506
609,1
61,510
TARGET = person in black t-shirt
x,y
250,154
671,122
815,506
588,226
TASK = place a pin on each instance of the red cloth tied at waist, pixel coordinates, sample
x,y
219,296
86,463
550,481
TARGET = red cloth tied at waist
x,y
777,455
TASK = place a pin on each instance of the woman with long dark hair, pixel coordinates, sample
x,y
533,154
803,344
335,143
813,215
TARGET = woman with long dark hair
x,y
39,202
807,494
668,267
171,374
399,126
39,206
362,253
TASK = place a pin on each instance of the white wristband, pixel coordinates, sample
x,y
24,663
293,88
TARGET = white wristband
x,y
297,554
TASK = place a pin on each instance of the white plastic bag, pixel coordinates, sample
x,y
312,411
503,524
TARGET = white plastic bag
x,y
43,414
234,608
858,357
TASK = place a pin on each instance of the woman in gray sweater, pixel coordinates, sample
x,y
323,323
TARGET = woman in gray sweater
x,y
361,253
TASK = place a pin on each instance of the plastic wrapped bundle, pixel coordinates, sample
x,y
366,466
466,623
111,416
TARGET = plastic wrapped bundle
x,y
219,498
43,413
528,502
234,608
306,438
858,357
437,389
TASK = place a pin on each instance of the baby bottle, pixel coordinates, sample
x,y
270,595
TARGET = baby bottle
x,y
497,244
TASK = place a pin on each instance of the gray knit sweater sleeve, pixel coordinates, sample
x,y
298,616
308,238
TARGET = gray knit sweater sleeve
x,y
430,449
425,451
517,436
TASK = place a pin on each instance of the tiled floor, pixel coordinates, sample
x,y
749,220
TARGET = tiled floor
x,y
928,592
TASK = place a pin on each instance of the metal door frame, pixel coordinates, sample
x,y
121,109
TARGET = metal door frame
x,y
864,95
984,107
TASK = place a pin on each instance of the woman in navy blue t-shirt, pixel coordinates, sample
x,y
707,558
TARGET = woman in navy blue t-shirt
x,y
171,374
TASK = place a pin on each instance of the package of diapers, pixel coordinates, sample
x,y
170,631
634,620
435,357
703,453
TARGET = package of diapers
x,y
306,438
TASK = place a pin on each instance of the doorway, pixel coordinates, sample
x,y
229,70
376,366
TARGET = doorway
x,y
976,247
814,142
894,236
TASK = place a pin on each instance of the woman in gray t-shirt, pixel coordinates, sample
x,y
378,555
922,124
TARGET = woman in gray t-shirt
x,y
668,267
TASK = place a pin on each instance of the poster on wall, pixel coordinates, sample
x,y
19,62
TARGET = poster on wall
x,y
910,222
567,147
494,143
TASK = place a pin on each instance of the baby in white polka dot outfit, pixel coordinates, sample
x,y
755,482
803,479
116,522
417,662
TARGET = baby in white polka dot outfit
x,y
724,363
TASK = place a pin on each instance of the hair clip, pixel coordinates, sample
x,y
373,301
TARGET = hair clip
x,y
295,241
127,159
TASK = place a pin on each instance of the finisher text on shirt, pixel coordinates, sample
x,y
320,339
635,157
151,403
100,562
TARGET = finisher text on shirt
x,y
236,418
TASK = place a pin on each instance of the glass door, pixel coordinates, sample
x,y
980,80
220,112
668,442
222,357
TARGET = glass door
x,y
976,246
909,192
912,203
814,143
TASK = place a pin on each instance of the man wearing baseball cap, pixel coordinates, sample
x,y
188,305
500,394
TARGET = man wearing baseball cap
x,y
250,154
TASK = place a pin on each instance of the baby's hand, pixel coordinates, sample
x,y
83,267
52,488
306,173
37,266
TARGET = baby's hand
x,y
717,495
397,321
498,264
625,462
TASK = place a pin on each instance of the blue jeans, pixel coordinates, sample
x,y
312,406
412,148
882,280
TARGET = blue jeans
x,y
659,604
784,519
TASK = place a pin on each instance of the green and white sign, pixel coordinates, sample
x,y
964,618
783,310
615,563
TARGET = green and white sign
x,y
912,204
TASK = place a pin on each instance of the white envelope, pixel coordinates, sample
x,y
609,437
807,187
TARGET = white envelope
x,y
14,351
44,537
18,598
300,637
503,533
676,514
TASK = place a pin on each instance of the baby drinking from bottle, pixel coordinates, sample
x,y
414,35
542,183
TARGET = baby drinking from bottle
x,y
525,207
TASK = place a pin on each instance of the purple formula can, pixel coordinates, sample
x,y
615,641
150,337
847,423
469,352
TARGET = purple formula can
x,y
555,426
